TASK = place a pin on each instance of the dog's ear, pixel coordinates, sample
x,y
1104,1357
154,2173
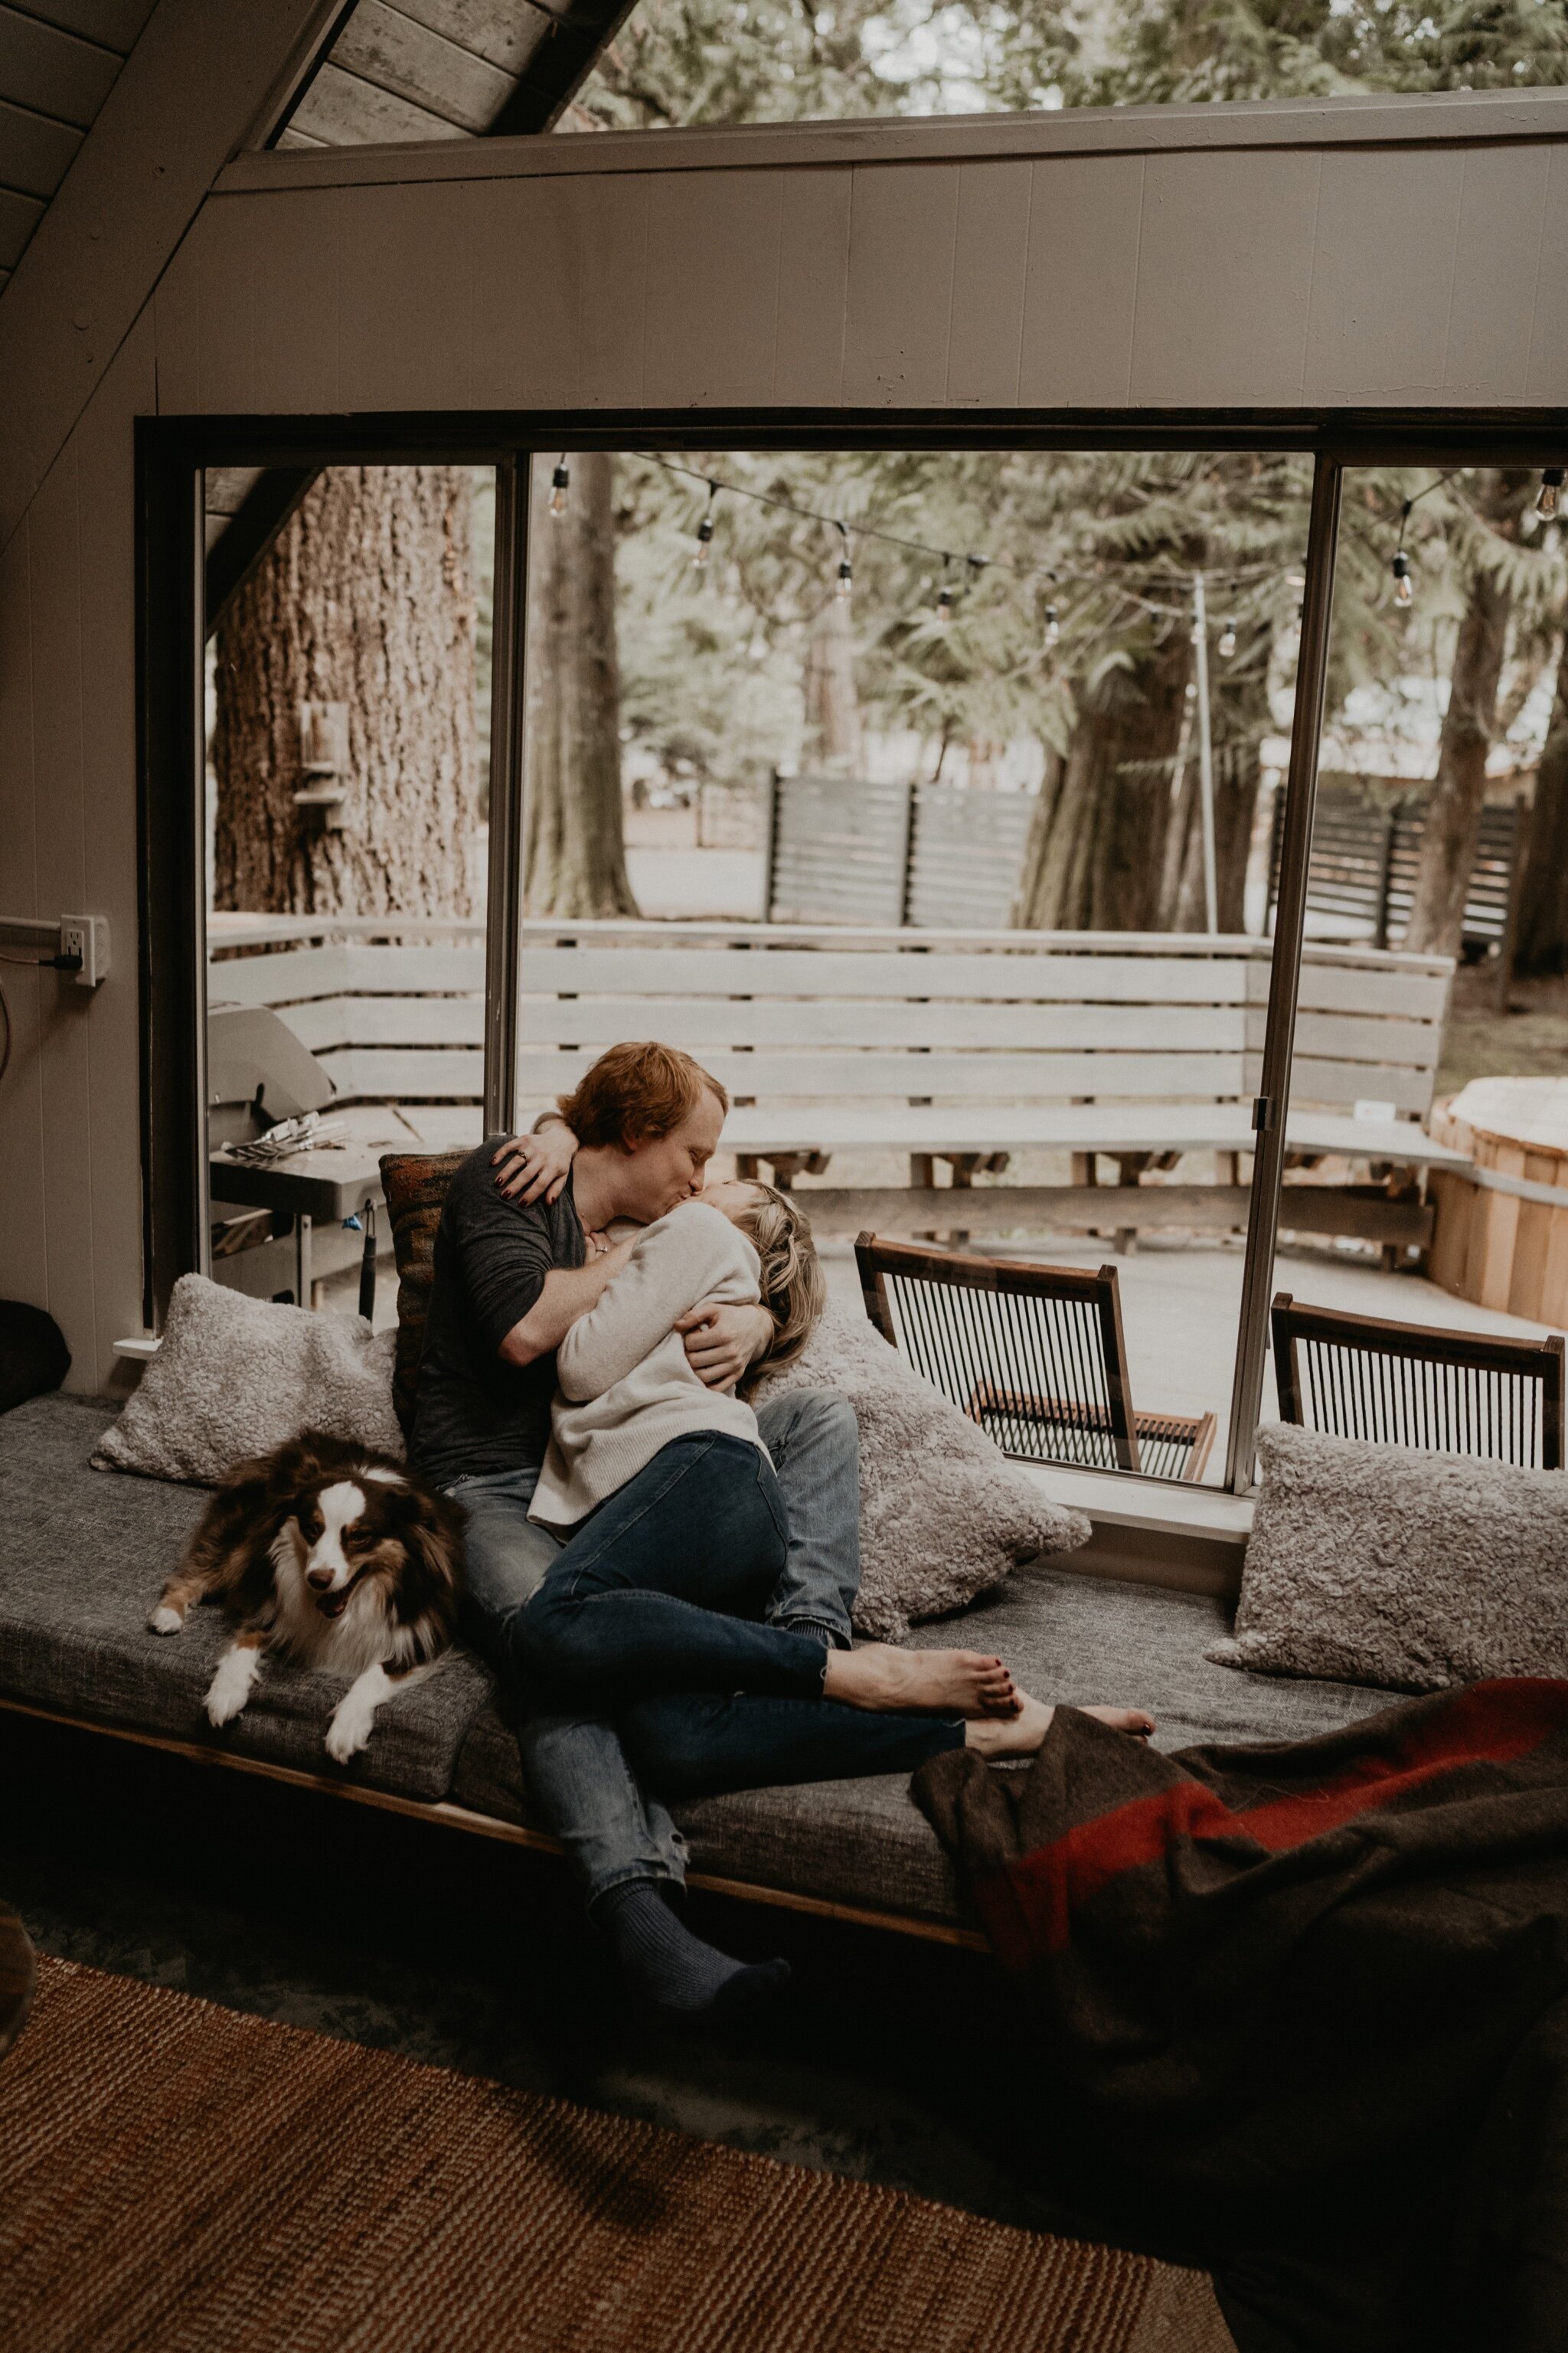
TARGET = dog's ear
x,y
432,1533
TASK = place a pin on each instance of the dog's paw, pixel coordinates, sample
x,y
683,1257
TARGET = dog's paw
x,y
165,1621
230,1687
348,1733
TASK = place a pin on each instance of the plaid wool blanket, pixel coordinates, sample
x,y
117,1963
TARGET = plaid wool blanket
x,y
1306,2005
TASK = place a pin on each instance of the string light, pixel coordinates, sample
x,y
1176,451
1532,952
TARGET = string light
x,y
1226,645
705,530
1403,587
560,489
944,604
1547,503
844,586
1053,629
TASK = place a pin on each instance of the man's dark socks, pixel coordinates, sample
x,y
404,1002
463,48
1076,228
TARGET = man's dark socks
x,y
664,1962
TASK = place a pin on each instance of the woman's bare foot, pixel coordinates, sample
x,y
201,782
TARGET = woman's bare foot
x,y
1027,1731
953,1682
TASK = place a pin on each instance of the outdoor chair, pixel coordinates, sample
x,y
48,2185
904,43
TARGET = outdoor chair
x,y
1034,1354
1404,1384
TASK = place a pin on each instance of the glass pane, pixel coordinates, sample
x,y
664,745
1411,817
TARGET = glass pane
x,y
348,687
898,764
1433,1031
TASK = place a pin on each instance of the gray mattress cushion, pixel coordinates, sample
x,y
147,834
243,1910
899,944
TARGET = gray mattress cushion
x,y
83,1553
1078,1638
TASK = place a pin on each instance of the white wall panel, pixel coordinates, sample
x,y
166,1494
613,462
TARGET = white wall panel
x,y
528,294
1224,279
1382,278
1493,307
1080,289
1547,380
710,332
814,280
903,224
405,297
990,262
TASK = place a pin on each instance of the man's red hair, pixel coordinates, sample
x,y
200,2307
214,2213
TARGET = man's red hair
x,y
637,1093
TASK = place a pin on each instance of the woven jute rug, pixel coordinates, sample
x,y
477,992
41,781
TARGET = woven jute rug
x,y
177,2178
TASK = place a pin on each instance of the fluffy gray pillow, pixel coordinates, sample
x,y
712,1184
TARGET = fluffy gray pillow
x,y
237,1376
944,1516
1377,1564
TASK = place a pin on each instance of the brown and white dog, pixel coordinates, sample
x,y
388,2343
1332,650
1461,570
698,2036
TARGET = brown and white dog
x,y
335,1556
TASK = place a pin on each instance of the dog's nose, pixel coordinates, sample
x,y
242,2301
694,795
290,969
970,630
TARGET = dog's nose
x,y
319,1578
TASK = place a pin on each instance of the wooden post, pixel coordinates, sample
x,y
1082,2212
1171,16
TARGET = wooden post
x,y
1508,943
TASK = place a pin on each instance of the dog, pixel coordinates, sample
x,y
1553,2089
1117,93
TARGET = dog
x,y
333,1556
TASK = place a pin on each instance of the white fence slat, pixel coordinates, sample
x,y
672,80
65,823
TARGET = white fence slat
x,y
848,976
697,1024
1343,1038
300,973
1380,988
1317,1080
384,1075
980,1077
326,1022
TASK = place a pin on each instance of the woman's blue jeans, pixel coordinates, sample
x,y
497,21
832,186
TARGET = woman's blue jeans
x,y
664,1587
653,1611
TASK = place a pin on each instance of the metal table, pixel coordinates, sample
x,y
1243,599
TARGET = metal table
x,y
320,1184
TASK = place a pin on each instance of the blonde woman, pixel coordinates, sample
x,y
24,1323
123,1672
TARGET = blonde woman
x,y
676,1537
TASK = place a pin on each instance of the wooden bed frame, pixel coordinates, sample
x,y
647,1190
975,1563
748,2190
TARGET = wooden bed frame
x,y
464,1818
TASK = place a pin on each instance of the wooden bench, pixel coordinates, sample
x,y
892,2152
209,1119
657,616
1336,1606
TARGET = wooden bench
x,y
960,1047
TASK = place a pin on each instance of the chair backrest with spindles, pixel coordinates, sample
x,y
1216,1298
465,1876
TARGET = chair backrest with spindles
x,y
1406,1385
1034,1354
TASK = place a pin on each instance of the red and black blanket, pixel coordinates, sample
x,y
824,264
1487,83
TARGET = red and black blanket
x,y
1306,2005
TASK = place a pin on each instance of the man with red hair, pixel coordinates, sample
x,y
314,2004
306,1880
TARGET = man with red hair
x,y
519,1256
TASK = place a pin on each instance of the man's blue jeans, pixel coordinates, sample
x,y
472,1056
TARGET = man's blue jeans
x,y
687,1742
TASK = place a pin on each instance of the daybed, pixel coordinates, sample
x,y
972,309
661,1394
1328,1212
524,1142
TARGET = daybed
x,y
83,1553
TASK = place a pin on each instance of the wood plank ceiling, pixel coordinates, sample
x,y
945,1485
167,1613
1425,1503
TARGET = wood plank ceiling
x,y
58,61
391,72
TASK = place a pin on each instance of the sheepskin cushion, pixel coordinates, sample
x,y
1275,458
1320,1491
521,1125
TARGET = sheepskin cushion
x,y
1377,1564
237,1376
944,1516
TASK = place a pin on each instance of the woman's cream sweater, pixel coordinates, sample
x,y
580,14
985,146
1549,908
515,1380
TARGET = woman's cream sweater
x,y
624,1386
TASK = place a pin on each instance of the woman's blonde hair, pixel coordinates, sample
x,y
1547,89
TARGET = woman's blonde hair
x,y
794,1289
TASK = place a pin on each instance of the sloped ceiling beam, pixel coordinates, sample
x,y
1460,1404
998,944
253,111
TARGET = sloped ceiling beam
x,y
205,77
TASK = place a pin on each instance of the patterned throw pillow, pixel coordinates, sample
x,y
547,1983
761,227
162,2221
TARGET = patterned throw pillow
x,y
414,1185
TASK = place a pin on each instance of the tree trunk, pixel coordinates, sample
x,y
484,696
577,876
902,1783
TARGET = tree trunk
x,y
832,706
1542,945
574,861
366,601
1452,830
1096,857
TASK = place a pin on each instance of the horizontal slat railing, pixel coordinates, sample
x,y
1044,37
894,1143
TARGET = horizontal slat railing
x,y
782,1013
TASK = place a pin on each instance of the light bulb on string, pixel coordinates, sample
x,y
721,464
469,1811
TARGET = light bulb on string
x,y
705,530
560,489
1226,645
944,604
844,587
1053,629
1403,587
1550,497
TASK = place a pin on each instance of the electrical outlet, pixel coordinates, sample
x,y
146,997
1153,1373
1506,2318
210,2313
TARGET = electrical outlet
x,y
86,937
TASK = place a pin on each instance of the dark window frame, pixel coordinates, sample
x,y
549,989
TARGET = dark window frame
x,y
171,454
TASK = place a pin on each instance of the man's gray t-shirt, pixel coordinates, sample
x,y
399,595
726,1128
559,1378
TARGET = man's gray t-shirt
x,y
473,1411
